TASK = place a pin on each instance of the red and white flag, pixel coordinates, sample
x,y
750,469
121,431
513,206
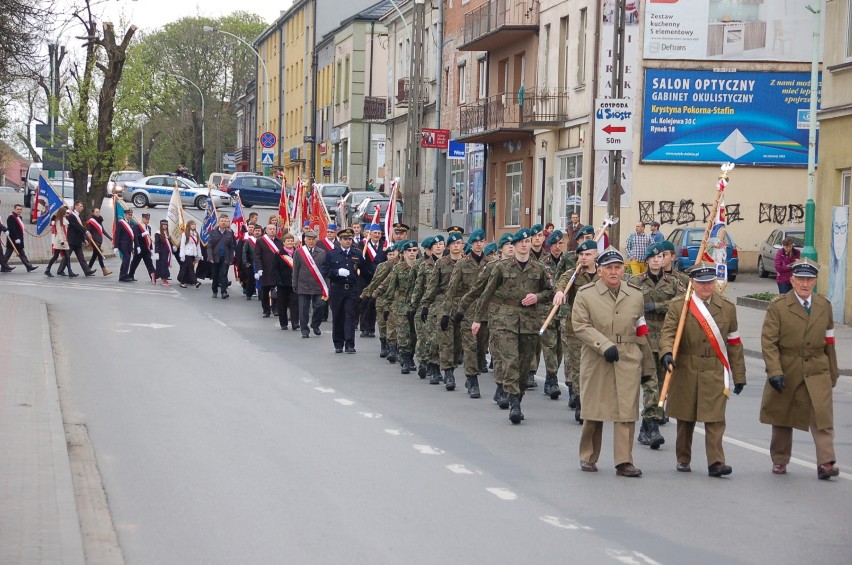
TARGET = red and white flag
x,y
390,215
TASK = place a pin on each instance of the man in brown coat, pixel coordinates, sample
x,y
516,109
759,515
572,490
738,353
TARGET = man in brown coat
x,y
608,317
700,387
801,369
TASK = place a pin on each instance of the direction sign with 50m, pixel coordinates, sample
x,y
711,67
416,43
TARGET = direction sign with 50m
x,y
613,124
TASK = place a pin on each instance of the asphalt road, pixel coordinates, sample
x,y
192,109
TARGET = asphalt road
x,y
222,439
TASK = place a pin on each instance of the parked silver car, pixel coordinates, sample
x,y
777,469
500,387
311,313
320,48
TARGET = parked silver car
x,y
770,246
157,189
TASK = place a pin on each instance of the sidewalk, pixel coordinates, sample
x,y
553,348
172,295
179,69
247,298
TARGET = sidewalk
x,y
38,510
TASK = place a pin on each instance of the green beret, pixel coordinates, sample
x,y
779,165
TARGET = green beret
x,y
588,245
555,237
504,239
467,248
584,231
391,247
668,245
476,235
490,248
536,229
454,236
654,250
521,234
407,244
439,237
428,242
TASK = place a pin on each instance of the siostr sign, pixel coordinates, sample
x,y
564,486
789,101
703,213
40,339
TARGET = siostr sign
x,y
613,124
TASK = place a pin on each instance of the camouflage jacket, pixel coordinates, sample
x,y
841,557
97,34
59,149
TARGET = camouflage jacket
x,y
660,294
398,285
382,272
425,266
464,277
439,280
507,285
470,301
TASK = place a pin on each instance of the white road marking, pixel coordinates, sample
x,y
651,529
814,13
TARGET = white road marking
x,y
460,469
324,390
428,449
502,493
371,415
153,325
90,286
630,557
307,380
397,432
344,402
564,523
217,320
122,331
794,460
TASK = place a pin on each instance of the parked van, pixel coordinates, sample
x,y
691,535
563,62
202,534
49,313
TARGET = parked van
x,y
216,180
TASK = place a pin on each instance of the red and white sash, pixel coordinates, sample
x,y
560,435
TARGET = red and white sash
x,y
127,228
95,224
714,336
312,267
272,247
328,244
370,252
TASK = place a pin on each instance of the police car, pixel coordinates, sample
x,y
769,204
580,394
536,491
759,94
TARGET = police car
x,y
157,189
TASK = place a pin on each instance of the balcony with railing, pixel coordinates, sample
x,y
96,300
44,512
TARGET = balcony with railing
x,y
375,108
499,23
544,108
242,154
492,120
405,94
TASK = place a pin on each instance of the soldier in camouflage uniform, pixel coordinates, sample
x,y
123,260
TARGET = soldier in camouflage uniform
x,y
449,342
586,253
669,264
426,348
537,253
659,289
470,303
569,260
551,340
463,278
514,287
382,271
397,288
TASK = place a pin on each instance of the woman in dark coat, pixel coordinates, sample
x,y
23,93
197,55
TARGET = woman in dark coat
x,y
288,302
267,253
164,250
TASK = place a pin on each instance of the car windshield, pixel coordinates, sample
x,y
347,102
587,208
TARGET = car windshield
x,y
695,237
334,190
797,237
128,177
189,183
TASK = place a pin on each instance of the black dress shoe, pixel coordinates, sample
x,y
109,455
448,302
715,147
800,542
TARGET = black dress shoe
x,y
295,328
89,273
350,350
48,274
317,331
338,350
225,296
684,468
72,275
10,269
306,336
61,273
719,470
30,269
266,314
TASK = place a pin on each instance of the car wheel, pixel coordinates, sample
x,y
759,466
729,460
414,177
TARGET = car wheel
x,y
200,202
140,200
761,271
246,204
732,277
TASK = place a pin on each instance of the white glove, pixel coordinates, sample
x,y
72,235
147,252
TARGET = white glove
x,y
257,275
138,250
343,272
18,241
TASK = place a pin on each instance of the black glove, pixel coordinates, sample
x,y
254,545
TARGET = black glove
x,y
646,378
445,323
410,316
738,388
385,315
777,382
424,313
459,317
611,354
669,362
650,307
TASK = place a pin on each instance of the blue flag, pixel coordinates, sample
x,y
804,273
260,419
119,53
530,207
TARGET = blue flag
x,y
209,221
53,200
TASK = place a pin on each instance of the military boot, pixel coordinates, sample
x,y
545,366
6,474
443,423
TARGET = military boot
x,y
383,352
498,393
473,389
655,438
643,433
436,374
403,364
422,370
392,353
449,379
412,366
577,417
515,415
531,380
572,396
553,391
503,401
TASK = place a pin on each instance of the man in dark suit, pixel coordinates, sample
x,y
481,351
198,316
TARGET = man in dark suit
x,y
125,242
342,267
144,247
220,253
267,255
309,284
77,235
15,237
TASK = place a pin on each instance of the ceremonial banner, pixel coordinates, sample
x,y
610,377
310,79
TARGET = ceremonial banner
x,y
174,215
53,202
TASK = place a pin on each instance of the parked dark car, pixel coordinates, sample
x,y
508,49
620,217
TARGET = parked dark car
x,y
770,246
367,209
687,241
351,202
255,190
332,194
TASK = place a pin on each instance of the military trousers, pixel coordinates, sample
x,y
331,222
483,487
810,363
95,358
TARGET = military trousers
x,y
713,434
622,441
550,343
495,355
571,346
516,352
482,341
404,336
651,409
393,324
449,345
781,445
470,349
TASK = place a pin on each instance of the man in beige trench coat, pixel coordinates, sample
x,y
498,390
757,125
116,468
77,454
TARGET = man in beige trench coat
x,y
698,386
801,370
608,318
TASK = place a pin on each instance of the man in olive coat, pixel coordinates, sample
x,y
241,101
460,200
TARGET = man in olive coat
x,y
608,317
801,370
700,386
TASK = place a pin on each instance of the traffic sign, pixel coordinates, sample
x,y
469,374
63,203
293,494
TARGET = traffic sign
x,y
268,139
267,157
613,124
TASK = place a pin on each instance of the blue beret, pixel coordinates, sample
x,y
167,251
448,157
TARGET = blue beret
x,y
439,237
428,242
454,236
374,227
555,237
668,245
521,235
332,227
476,235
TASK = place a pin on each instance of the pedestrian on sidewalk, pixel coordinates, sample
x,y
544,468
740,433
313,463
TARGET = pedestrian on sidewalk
x,y
190,252
164,250
59,243
801,369
15,238
637,245
784,259
95,225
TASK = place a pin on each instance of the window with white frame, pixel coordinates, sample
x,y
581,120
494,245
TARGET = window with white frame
x,y
581,49
514,182
483,78
570,184
461,85
846,188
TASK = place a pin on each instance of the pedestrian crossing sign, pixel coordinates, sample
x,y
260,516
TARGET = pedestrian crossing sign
x,y
267,158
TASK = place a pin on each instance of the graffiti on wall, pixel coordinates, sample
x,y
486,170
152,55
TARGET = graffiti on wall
x,y
781,213
683,212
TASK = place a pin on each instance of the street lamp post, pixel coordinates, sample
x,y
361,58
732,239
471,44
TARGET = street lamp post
x,y
211,29
203,152
809,250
